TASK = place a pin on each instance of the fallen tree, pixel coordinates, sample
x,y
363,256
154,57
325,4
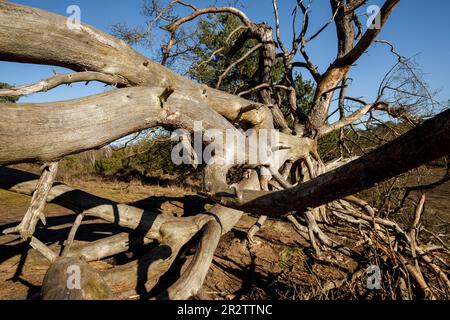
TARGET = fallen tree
x,y
149,95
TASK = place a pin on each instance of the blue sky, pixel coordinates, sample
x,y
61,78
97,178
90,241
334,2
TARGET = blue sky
x,y
416,28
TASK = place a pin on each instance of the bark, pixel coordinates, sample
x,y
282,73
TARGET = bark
x,y
34,132
425,143
421,145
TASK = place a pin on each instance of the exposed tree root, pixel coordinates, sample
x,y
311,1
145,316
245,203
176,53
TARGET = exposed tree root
x,y
384,238
314,197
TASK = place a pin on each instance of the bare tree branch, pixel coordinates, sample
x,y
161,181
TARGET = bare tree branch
x,y
55,81
361,174
358,114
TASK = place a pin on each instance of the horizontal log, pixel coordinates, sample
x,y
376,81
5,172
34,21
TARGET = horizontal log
x,y
427,142
126,216
49,131
155,225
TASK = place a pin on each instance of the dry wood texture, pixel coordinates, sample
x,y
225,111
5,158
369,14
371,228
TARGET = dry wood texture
x,y
291,179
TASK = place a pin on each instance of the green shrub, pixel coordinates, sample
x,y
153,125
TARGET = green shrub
x,y
109,166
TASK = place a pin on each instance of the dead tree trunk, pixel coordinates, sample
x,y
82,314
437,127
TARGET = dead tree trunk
x,y
150,95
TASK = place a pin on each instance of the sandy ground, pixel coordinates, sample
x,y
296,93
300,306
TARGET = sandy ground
x,y
276,268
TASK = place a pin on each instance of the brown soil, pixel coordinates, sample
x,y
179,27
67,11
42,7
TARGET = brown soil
x,y
278,267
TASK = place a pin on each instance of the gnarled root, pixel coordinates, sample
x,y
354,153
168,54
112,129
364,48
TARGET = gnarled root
x,y
192,279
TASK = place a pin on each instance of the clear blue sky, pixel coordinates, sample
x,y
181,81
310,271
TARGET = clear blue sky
x,y
416,27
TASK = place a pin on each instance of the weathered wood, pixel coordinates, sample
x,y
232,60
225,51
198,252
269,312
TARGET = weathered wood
x,y
86,48
154,264
106,247
43,249
43,132
36,36
419,146
49,131
73,279
40,132
60,79
425,143
73,231
76,200
192,279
